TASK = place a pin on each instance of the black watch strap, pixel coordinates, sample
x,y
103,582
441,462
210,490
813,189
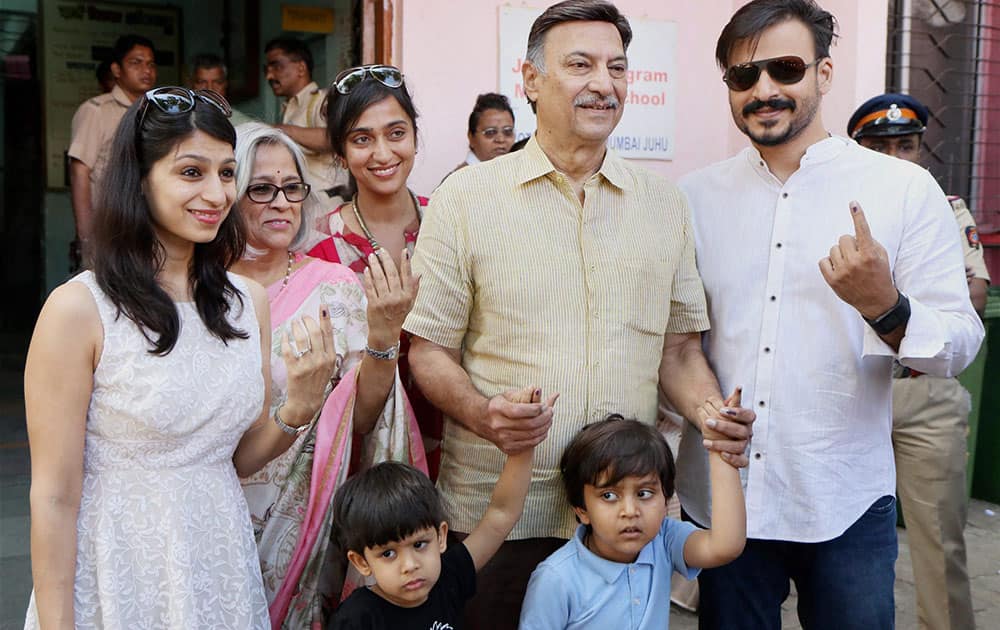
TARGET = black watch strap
x,y
892,319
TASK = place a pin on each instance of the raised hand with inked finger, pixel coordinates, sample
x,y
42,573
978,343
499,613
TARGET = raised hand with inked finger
x,y
310,359
391,293
857,269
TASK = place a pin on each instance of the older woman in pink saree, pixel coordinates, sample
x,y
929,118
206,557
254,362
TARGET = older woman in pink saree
x,y
357,396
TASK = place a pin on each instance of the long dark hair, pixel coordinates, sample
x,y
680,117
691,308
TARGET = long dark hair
x,y
128,253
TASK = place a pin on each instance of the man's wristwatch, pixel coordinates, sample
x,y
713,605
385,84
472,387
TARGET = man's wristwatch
x,y
388,354
892,319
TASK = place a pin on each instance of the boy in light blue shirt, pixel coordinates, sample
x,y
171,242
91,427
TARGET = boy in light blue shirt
x,y
615,572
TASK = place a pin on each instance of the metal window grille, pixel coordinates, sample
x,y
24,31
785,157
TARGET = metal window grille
x,y
946,53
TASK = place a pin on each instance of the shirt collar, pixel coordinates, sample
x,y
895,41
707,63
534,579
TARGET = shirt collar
x,y
608,570
823,151
535,164
120,96
304,92
471,158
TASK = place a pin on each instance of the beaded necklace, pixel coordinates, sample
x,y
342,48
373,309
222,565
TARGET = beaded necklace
x,y
364,226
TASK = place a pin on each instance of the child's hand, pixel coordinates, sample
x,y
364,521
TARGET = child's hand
x,y
530,394
517,420
727,428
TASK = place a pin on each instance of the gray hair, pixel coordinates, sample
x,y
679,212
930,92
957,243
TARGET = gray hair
x,y
572,11
250,136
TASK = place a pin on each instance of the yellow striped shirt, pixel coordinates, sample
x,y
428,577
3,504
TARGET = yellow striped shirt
x,y
538,289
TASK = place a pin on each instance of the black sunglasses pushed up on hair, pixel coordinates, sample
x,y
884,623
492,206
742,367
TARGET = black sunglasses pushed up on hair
x,y
389,76
175,100
785,70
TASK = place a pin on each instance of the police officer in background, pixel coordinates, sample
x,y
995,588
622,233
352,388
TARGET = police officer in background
x,y
929,413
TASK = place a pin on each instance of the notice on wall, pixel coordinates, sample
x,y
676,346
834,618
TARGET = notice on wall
x,y
646,129
306,19
76,37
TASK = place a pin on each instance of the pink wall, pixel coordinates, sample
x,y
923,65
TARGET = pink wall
x,y
448,51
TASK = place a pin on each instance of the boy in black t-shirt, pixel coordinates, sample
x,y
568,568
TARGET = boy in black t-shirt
x,y
391,523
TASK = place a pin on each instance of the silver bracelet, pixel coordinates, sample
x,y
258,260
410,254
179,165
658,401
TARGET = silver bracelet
x,y
290,430
383,355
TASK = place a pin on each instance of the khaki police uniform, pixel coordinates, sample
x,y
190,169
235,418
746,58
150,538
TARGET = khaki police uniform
x,y
308,109
930,427
92,130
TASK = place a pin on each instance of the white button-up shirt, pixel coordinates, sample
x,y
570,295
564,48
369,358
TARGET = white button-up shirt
x,y
815,373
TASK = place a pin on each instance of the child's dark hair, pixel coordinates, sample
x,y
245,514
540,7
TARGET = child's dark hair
x,y
383,504
606,452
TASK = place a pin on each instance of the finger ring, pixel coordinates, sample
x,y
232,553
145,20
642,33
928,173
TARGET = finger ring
x,y
298,354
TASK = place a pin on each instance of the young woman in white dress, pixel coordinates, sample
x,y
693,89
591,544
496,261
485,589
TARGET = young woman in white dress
x,y
147,392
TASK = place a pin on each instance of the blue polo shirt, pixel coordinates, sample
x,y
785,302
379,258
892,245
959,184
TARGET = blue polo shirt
x,y
576,588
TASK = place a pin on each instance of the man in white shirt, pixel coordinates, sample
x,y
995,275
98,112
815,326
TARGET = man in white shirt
x,y
822,262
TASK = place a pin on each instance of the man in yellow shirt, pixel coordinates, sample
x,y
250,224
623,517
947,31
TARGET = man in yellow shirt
x,y
564,267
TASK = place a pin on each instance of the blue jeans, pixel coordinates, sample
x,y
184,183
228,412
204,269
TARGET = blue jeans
x,y
842,584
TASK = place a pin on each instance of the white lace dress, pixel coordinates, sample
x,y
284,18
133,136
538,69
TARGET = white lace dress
x,y
163,536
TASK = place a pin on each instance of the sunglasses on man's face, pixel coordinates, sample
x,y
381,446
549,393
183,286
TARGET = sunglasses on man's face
x,y
175,100
349,79
785,70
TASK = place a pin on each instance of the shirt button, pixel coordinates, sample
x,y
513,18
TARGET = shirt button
x,y
774,297
756,455
778,245
631,570
784,195
767,349
760,403
636,601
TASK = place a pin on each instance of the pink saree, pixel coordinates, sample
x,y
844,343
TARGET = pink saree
x,y
290,499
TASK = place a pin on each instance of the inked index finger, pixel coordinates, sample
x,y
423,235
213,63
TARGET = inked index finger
x,y
735,399
405,271
862,232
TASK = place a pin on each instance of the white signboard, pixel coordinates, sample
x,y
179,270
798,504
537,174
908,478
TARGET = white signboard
x,y
646,129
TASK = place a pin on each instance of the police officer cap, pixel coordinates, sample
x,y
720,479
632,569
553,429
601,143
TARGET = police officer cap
x,y
888,115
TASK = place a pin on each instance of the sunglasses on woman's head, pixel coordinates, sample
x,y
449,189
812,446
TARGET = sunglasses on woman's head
x,y
785,70
175,100
389,76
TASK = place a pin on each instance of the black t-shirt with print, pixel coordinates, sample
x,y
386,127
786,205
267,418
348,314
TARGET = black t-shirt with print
x,y
364,610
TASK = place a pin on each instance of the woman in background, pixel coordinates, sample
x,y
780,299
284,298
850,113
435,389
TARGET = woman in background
x,y
491,129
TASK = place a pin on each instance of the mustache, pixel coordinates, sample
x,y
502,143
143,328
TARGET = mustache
x,y
774,103
587,100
